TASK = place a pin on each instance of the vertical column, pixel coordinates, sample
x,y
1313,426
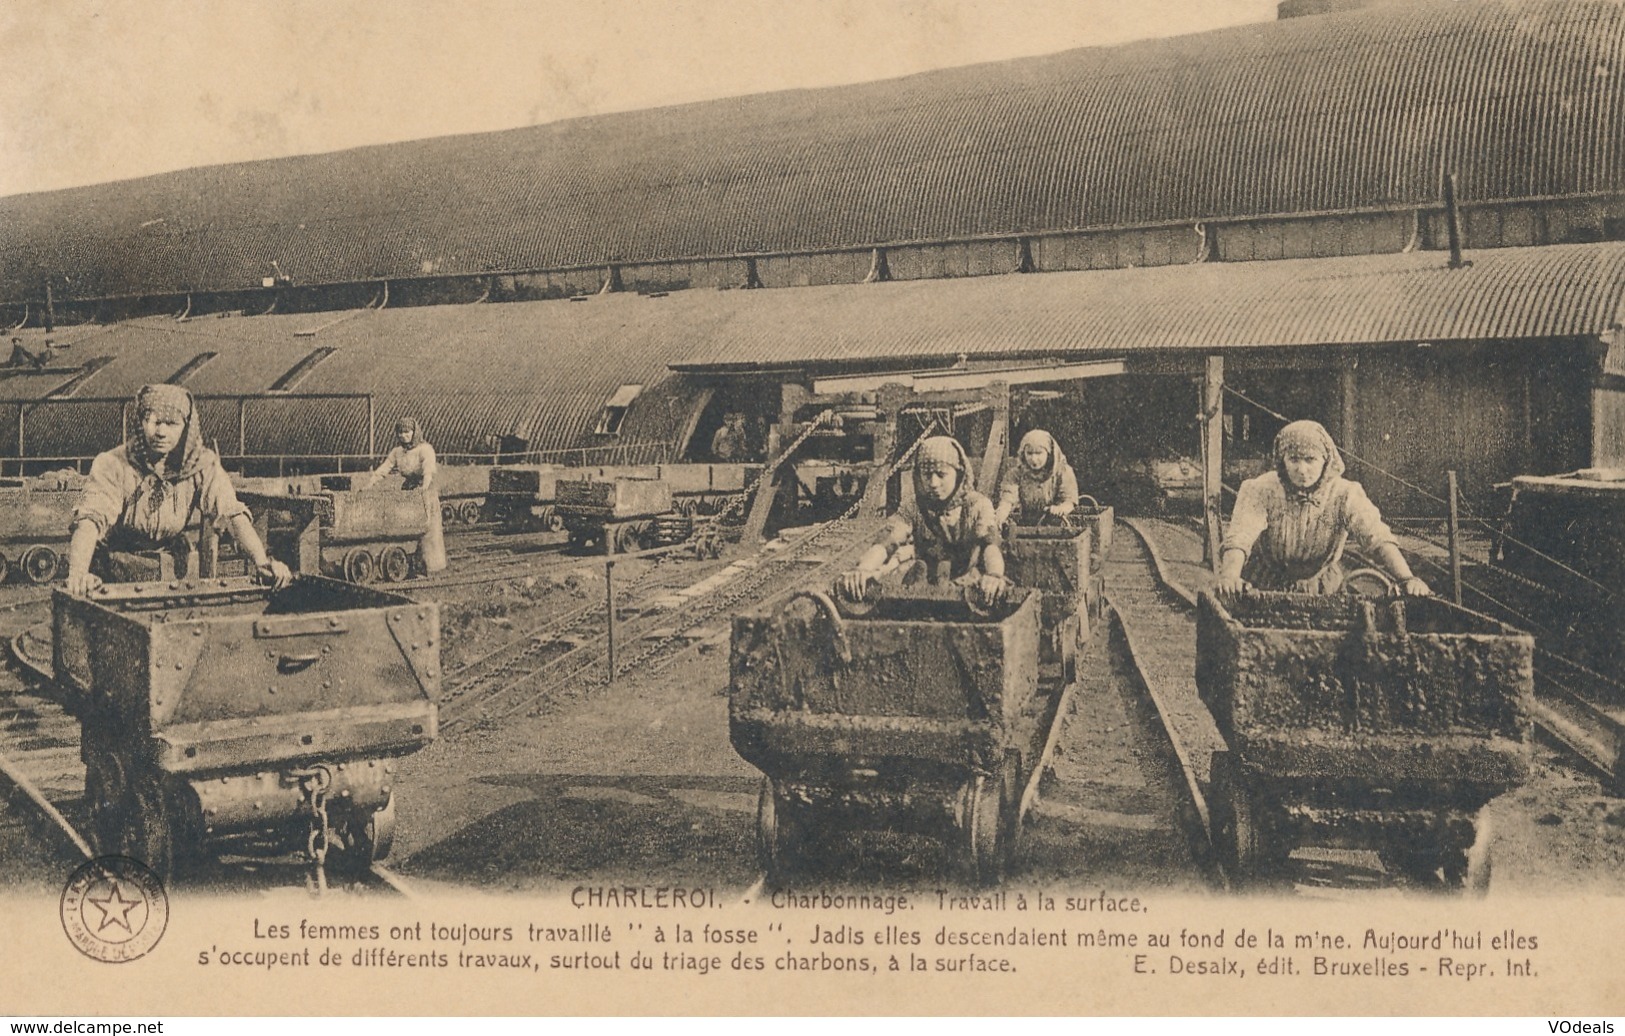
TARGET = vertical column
x,y
1348,398
1213,455
998,439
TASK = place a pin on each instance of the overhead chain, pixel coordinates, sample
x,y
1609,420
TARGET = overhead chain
x,y
734,503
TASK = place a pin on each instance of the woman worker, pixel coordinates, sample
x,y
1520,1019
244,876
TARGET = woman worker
x,y
140,497
413,459
950,525
1290,525
1040,482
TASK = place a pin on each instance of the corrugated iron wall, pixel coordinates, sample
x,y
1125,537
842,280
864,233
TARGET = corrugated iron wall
x,y
1349,111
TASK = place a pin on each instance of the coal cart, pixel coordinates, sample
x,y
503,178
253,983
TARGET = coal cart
x,y
1351,722
220,716
915,712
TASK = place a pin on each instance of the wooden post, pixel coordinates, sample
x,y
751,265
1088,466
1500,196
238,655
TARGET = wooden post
x,y
1213,456
998,441
609,609
1455,540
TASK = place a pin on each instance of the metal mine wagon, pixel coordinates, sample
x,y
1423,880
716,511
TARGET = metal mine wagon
x,y
1061,562
35,514
621,515
1359,723
219,716
356,534
915,713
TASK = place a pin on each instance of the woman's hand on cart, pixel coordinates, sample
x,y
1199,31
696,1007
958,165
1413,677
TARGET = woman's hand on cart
x,y
275,573
82,583
1231,585
854,585
1414,587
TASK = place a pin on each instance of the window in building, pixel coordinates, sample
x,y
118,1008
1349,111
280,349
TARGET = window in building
x,y
190,368
86,371
609,422
298,371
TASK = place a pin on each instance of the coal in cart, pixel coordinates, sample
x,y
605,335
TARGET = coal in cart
x,y
917,712
220,716
1361,723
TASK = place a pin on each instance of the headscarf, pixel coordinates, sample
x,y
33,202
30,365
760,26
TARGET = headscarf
x,y
1307,437
409,424
941,450
1055,463
170,403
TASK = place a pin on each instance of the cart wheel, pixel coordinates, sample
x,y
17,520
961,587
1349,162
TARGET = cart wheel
x,y
38,564
469,512
1010,789
778,835
152,829
394,563
5,568
107,801
359,566
448,514
553,522
987,824
1474,874
1234,822
377,836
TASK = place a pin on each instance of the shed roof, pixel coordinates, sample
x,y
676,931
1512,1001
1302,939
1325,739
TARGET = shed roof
x,y
1507,293
546,369
1522,98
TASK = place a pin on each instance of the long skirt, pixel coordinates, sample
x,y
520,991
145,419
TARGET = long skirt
x,y
432,547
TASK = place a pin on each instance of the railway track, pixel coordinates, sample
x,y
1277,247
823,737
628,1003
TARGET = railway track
x,y
574,650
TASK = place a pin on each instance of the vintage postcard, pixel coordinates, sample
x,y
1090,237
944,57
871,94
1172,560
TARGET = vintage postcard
x,y
930,508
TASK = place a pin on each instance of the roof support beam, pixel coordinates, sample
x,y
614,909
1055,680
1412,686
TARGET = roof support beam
x,y
959,379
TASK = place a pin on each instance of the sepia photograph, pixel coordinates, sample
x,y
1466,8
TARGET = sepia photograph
x,y
924,507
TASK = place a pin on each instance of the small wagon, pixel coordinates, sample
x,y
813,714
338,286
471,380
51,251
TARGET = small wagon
x,y
1360,723
920,713
35,515
222,716
621,515
1064,562
359,535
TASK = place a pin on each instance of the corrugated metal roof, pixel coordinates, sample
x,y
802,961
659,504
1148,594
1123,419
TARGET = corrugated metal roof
x,y
546,369
1523,98
1506,293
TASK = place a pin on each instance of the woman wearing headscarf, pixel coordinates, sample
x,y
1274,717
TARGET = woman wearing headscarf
x,y
951,526
1040,482
1290,525
140,497
414,460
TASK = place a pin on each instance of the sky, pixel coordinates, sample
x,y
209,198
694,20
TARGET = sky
x,y
93,91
